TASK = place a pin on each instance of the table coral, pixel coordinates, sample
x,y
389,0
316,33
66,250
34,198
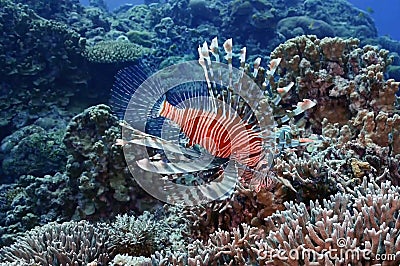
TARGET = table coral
x,y
114,52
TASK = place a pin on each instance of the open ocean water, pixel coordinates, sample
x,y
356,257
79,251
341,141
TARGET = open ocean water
x,y
385,14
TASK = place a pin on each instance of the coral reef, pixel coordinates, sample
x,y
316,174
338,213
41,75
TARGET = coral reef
x,y
84,243
60,244
355,228
53,9
245,206
302,25
126,260
114,52
97,167
21,204
339,75
46,61
335,12
52,171
33,150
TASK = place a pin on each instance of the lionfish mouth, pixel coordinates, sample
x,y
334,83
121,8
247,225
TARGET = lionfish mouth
x,y
192,131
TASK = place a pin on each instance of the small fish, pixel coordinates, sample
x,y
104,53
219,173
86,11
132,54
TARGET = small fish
x,y
282,91
311,25
286,140
370,10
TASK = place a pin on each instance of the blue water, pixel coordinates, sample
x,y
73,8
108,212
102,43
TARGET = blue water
x,y
385,13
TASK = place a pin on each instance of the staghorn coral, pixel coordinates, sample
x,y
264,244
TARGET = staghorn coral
x,y
313,174
236,247
347,153
365,223
59,244
84,243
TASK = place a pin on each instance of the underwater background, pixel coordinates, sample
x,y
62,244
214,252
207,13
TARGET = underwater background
x,y
384,13
67,196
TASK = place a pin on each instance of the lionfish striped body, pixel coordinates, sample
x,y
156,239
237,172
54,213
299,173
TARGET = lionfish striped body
x,y
223,124
220,134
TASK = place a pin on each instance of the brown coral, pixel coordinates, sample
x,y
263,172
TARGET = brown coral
x,y
339,75
244,206
360,228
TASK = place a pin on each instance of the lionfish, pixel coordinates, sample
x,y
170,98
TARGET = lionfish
x,y
226,117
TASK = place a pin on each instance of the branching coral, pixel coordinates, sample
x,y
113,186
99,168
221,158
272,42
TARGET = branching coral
x,y
143,235
381,129
368,144
227,248
59,244
358,228
126,260
83,243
